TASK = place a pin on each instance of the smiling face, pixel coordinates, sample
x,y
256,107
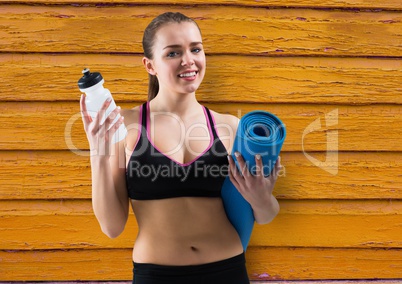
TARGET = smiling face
x,y
178,58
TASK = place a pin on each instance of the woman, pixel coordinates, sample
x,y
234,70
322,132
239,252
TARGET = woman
x,y
171,167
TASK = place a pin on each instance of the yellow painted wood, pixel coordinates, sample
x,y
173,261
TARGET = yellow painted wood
x,y
49,175
271,32
263,263
308,263
391,4
312,61
27,126
32,175
359,281
76,265
45,229
43,77
331,223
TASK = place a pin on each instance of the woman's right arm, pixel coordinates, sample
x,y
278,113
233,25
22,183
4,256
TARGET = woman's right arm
x,y
109,195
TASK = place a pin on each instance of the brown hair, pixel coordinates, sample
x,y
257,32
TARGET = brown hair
x,y
149,38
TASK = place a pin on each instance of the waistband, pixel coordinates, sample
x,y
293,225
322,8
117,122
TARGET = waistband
x,y
183,270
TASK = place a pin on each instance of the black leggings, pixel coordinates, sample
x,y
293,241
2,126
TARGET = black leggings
x,y
228,271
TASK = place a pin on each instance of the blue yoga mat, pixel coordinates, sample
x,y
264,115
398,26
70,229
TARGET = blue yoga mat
x,y
259,132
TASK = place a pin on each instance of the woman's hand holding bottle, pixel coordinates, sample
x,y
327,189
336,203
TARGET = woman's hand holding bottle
x,y
99,133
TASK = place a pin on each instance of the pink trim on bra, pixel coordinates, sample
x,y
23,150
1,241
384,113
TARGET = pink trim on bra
x,y
213,121
139,131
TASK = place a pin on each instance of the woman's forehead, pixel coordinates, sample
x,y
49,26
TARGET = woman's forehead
x,y
183,33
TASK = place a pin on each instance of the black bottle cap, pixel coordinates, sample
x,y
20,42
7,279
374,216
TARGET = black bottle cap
x,y
89,79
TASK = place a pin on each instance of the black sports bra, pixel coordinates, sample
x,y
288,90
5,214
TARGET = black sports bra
x,y
152,175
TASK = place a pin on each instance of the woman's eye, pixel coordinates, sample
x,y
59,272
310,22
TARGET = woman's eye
x,y
196,50
172,54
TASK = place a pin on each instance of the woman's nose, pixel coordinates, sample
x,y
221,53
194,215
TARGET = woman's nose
x,y
187,59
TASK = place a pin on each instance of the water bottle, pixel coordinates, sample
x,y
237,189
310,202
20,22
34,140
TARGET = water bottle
x,y
92,85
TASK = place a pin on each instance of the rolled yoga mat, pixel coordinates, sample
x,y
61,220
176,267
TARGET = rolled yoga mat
x,y
259,132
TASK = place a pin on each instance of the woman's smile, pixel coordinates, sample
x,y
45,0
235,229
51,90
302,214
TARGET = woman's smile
x,y
188,75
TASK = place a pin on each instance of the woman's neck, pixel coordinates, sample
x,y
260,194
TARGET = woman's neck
x,y
179,104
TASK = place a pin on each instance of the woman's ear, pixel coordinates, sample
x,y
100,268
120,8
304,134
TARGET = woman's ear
x,y
149,66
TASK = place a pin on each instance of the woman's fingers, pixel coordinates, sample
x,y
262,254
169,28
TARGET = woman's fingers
x,y
99,117
242,165
86,118
259,169
110,124
275,172
100,125
279,166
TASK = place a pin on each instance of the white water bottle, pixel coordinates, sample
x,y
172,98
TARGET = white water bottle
x,y
92,85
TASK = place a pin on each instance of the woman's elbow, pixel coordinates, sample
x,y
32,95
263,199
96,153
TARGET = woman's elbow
x,y
268,217
112,231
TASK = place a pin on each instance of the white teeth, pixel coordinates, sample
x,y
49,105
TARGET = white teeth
x,y
191,74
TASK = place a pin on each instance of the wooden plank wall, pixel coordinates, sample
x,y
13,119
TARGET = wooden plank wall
x,y
331,70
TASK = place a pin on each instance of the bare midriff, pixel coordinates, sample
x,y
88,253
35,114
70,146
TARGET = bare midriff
x,y
183,231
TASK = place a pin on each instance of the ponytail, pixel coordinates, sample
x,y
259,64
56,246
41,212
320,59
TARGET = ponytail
x,y
153,87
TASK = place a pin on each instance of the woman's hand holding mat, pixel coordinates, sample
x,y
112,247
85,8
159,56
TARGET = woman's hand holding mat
x,y
256,189
259,134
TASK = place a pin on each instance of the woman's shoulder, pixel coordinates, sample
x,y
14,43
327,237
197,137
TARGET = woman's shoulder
x,y
225,121
131,115
132,121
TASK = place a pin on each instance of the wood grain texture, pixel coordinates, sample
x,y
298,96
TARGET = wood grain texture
x,y
263,263
374,281
310,263
58,126
119,29
355,4
330,69
72,225
62,175
242,79
48,175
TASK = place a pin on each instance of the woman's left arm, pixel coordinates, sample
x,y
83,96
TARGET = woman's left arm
x,y
256,189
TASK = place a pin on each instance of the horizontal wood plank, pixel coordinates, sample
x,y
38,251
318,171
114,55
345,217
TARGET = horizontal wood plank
x,y
30,125
333,223
323,223
65,175
263,263
355,4
46,175
307,263
242,79
358,281
273,32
